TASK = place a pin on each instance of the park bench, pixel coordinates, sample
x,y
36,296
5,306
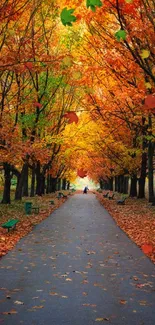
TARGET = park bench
x,y
110,197
11,224
121,201
36,209
106,195
61,195
29,207
52,202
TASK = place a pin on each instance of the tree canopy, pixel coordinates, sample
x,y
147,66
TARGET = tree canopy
x,y
77,84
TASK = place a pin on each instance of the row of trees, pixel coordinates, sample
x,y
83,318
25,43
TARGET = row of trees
x,y
119,59
102,68
37,88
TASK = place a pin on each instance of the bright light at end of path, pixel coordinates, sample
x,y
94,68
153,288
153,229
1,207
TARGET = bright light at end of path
x,y
80,183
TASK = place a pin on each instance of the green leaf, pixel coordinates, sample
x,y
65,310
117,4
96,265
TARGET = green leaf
x,y
121,34
93,4
66,17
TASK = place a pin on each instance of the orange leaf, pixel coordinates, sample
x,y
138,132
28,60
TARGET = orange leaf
x,y
72,117
147,248
81,173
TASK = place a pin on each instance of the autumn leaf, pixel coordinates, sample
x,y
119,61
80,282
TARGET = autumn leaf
x,y
150,101
17,302
72,117
66,17
65,297
144,54
148,85
123,302
36,104
147,248
101,319
11,312
81,173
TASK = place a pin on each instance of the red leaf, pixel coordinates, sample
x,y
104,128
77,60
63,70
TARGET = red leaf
x,y
81,173
150,101
28,65
147,248
72,117
37,104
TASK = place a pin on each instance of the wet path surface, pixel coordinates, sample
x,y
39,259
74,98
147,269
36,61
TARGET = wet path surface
x,y
77,268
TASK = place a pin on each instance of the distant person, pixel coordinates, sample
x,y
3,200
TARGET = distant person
x,y
85,190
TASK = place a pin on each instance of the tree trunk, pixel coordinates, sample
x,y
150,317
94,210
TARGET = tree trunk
x,y
25,182
141,183
20,182
150,163
111,183
48,184
59,184
116,183
38,179
42,184
121,183
33,181
68,186
125,185
133,188
64,184
53,182
150,171
7,184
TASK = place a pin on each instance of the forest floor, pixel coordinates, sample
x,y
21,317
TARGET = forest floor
x,y
136,218
15,210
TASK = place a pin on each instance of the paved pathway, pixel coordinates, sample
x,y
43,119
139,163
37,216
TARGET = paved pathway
x,y
77,268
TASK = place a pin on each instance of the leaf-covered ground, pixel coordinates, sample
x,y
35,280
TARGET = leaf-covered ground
x,y
15,210
136,218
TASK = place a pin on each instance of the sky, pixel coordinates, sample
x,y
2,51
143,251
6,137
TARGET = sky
x,y
80,183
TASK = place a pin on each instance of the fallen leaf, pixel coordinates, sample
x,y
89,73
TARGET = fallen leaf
x,y
85,293
123,302
17,302
11,312
101,319
38,307
84,282
147,248
65,297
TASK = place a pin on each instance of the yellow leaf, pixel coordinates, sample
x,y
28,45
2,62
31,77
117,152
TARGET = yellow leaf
x,y
148,85
145,54
101,319
38,307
